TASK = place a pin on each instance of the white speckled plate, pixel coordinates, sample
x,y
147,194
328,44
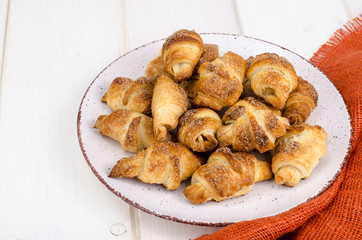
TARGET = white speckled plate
x,y
265,198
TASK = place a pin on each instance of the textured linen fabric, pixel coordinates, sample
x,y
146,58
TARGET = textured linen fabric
x,y
337,212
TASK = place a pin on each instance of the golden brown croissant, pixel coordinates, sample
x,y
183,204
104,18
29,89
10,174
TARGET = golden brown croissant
x,y
221,81
181,53
169,103
132,129
124,93
250,124
301,102
156,68
166,163
197,129
272,78
297,153
226,175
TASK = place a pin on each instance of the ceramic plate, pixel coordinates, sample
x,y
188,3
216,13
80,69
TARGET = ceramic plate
x,y
265,198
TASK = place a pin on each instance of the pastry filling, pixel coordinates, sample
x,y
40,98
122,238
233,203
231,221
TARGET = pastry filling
x,y
268,91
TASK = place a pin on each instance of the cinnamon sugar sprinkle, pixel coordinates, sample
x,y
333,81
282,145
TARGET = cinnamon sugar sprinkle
x,y
142,80
235,112
289,147
261,139
271,121
183,35
122,80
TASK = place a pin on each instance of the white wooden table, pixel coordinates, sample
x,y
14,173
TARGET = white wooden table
x,y
50,51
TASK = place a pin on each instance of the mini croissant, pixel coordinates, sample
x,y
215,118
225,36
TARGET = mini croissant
x,y
132,129
297,153
181,52
166,163
301,102
250,124
169,103
156,68
197,129
226,175
220,82
272,78
124,93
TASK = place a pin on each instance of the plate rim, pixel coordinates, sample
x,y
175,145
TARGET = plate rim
x,y
210,224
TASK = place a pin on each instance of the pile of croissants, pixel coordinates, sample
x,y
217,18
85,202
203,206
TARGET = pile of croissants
x,y
171,118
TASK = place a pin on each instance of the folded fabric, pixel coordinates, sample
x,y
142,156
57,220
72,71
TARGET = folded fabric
x,y
336,213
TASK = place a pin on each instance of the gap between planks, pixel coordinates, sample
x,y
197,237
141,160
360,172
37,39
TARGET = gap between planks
x,y
347,9
135,216
135,222
4,48
237,18
125,45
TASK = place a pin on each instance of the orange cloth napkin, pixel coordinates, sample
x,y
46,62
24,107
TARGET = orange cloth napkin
x,y
337,212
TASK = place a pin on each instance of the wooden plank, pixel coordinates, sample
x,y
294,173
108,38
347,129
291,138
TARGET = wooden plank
x,y
54,50
353,8
301,26
157,228
152,20
147,21
3,21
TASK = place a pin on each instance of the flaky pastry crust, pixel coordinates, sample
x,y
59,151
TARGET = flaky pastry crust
x,y
220,82
124,93
297,153
226,175
301,102
250,124
181,52
169,103
156,68
272,78
132,129
197,129
166,163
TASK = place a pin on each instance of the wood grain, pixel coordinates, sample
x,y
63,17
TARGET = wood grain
x,y
54,50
